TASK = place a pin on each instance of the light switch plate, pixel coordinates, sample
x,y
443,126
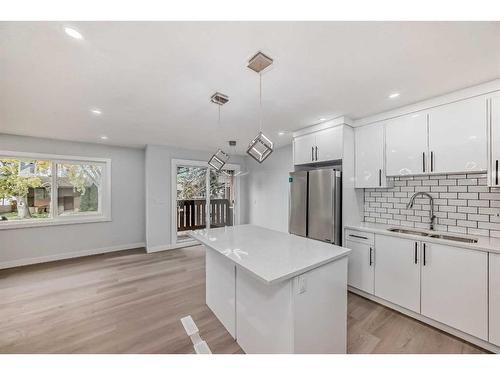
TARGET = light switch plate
x,y
301,284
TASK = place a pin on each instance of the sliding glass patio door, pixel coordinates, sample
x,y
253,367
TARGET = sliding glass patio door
x,y
205,198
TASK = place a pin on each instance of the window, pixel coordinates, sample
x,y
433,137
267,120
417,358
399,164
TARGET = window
x,y
51,189
78,188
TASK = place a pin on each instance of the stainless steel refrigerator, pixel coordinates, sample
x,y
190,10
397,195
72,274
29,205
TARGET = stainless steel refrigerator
x,y
316,204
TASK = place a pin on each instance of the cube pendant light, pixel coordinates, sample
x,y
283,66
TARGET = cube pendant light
x,y
218,160
261,146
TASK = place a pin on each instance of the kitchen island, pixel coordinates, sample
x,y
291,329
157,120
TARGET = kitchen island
x,y
275,292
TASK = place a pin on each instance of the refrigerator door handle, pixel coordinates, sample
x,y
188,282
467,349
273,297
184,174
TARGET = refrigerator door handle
x,y
337,207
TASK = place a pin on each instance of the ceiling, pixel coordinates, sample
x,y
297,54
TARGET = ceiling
x,y
152,80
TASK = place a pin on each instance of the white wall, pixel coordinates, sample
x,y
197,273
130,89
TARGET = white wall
x,y
159,187
267,190
126,230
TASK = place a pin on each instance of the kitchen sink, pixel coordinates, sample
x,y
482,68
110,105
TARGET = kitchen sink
x,y
408,231
453,238
442,236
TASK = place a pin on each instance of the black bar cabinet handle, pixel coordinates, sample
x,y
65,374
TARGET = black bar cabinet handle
x,y
356,236
496,172
416,245
432,161
423,161
371,259
380,177
312,153
316,153
424,255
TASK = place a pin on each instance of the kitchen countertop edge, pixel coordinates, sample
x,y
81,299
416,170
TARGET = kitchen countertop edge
x,y
281,278
485,244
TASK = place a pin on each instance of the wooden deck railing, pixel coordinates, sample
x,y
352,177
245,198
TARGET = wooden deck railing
x,y
191,214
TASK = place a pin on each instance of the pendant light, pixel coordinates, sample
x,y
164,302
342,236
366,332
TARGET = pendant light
x,y
220,158
261,146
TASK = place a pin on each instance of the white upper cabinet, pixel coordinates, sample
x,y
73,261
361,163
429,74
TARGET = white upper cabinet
x,y
304,149
397,271
457,137
369,144
494,299
329,144
319,146
406,145
455,288
493,170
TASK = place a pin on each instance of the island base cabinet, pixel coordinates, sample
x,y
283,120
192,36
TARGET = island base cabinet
x,y
306,314
220,287
494,299
320,313
455,288
264,315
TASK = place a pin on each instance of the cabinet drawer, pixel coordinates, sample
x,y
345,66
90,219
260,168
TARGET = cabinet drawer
x,y
359,236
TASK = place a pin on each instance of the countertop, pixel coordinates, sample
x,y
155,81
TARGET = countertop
x,y
269,255
489,244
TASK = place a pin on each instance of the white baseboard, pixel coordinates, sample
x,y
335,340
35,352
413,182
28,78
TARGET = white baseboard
x,y
443,327
154,249
76,254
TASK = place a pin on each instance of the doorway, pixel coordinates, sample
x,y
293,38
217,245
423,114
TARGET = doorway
x,y
203,198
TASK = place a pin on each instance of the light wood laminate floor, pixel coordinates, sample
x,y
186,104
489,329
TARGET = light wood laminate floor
x,y
131,302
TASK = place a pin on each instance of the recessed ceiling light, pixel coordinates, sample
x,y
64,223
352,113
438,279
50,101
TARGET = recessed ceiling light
x,y
103,137
281,133
394,95
73,33
322,119
96,111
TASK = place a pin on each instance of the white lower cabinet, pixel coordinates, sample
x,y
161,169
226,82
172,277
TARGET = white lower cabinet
x,y
455,287
361,266
397,271
494,299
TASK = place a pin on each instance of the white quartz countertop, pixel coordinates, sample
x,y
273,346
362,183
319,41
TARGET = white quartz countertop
x,y
489,244
269,255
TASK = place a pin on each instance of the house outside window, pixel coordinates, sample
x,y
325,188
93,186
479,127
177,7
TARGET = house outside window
x,y
39,189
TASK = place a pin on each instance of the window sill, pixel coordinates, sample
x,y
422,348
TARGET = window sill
x,y
14,224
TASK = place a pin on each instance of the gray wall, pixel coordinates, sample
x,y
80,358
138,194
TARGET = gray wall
x,y
20,246
159,191
267,190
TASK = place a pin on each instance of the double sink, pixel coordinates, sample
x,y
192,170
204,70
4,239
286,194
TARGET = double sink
x,y
449,237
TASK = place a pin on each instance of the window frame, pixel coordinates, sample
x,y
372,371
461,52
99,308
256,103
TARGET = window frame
x,y
104,211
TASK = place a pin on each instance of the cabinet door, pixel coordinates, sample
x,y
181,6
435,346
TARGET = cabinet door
x,y
397,271
495,142
495,299
406,145
329,143
455,288
370,171
304,149
361,268
457,137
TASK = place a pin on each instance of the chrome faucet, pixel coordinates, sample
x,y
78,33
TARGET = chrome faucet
x,y
431,213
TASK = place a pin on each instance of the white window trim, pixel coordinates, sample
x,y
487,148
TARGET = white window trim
x,y
104,213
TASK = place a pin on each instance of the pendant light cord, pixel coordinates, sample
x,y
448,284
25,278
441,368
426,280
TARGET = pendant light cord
x,y
260,100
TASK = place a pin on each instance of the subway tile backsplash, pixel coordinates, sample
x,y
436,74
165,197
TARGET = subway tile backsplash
x,y
462,203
